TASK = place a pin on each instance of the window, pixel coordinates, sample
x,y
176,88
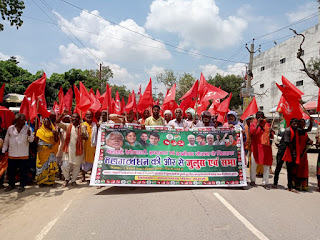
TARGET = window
x,y
283,60
261,108
262,68
299,83
262,85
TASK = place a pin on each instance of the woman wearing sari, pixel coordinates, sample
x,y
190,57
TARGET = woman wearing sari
x,y
48,144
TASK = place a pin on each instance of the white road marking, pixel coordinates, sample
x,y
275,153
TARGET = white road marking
x,y
48,227
241,218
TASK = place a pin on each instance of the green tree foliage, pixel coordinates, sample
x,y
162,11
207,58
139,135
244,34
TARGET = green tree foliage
x,y
18,79
313,67
230,84
123,92
11,10
185,83
168,78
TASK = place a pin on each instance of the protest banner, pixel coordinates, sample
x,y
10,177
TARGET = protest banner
x,y
164,157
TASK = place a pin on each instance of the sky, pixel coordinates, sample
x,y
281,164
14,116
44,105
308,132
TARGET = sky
x,y
139,39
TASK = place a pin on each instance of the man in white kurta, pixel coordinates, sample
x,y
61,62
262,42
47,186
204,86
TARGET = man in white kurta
x,y
71,162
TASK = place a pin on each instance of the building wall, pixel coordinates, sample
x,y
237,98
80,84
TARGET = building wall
x,y
268,95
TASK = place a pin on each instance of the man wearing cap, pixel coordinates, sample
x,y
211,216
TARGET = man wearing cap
x,y
167,116
191,121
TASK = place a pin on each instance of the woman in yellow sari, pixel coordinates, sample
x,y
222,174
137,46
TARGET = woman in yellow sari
x,y
48,144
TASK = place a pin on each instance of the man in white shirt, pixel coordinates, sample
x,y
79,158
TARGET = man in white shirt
x,y
192,141
16,143
178,122
73,149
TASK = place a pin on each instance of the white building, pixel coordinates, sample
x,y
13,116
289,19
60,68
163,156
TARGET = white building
x,y
281,60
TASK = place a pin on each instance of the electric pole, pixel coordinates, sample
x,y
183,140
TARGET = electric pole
x,y
249,73
155,90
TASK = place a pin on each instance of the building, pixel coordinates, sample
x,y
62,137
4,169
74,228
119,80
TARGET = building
x,y
281,60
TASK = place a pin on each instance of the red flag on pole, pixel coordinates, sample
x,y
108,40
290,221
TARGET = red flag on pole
x,y
55,107
25,107
192,93
42,106
223,109
2,92
131,105
98,93
251,109
33,107
290,89
213,92
123,104
214,106
202,87
96,105
61,100
146,99
68,100
171,95
37,87
117,109
107,102
85,100
318,107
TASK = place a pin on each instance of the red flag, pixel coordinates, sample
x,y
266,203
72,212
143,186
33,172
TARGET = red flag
x,y
192,93
214,106
2,92
91,91
290,89
98,93
96,105
318,107
117,109
290,108
7,117
61,100
171,95
25,107
202,88
42,106
146,99
213,92
55,107
123,104
101,98
107,102
37,87
76,93
251,109
33,107
223,109
68,100
187,103
85,100
202,106
131,105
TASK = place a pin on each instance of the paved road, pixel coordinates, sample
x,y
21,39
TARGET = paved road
x,y
161,213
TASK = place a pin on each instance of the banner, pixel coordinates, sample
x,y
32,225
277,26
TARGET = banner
x,y
162,157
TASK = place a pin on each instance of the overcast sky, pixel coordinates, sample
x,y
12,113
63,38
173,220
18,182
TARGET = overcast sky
x,y
140,38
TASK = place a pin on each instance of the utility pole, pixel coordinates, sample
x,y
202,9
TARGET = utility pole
x,y
249,72
155,90
100,76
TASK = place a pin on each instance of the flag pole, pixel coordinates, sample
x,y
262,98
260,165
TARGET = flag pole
x,y
36,120
304,109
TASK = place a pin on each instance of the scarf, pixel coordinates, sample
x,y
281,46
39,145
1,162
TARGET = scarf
x,y
79,144
287,157
265,137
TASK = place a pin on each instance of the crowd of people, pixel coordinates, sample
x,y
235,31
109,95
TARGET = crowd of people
x,y
64,146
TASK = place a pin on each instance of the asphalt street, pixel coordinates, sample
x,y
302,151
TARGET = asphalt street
x,y
162,213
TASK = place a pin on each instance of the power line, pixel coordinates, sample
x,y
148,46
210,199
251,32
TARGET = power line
x,y
60,29
58,17
146,36
294,23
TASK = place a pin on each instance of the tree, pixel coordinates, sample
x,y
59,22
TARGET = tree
x,y
11,10
314,70
230,84
185,83
168,78
123,92
93,78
